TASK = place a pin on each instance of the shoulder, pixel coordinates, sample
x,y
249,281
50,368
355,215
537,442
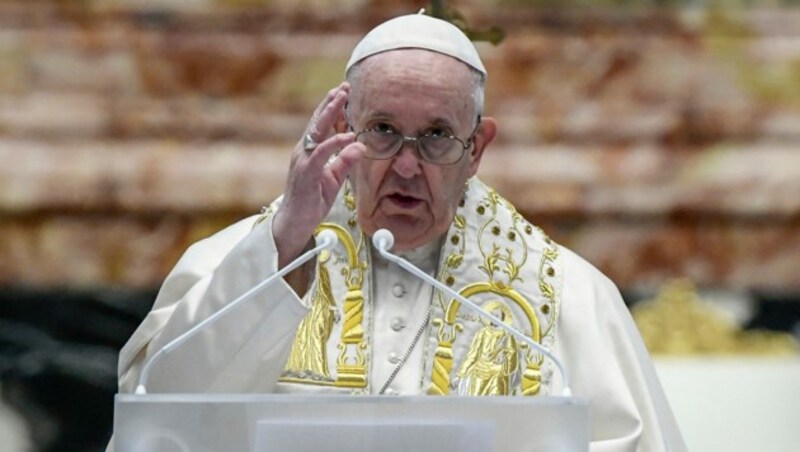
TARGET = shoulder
x,y
556,266
579,270
204,256
211,250
587,293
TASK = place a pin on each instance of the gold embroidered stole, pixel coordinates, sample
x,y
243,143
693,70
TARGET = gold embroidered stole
x,y
491,256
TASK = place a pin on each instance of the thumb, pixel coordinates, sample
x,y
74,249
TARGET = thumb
x,y
348,157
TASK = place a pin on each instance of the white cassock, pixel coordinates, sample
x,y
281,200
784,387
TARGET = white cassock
x,y
366,326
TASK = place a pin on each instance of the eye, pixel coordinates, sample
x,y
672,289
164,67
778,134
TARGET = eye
x,y
438,132
382,127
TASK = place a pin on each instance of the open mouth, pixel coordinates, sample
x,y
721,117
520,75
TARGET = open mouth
x,y
403,201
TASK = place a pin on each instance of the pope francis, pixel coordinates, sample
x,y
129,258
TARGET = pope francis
x,y
397,146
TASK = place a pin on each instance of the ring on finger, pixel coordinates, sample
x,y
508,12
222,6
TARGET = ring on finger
x,y
309,144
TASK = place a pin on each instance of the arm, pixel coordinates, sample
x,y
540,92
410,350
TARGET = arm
x,y
610,366
245,350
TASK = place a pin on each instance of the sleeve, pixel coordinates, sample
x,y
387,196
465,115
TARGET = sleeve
x,y
610,367
244,351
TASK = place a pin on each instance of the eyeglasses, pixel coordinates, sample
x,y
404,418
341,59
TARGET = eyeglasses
x,y
432,147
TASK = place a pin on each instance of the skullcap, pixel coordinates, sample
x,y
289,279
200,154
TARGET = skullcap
x,y
418,31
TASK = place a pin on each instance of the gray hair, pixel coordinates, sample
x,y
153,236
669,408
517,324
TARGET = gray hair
x,y
353,76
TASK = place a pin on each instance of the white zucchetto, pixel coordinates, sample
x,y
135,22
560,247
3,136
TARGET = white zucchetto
x,y
418,31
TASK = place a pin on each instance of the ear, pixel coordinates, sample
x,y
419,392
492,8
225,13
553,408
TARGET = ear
x,y
483,136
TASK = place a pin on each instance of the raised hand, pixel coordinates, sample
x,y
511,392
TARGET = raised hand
x,y
314,178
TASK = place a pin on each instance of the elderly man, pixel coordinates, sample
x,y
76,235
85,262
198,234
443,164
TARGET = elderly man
x,y
397,146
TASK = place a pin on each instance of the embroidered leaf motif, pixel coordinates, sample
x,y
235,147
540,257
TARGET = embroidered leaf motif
x,y
511,268
547,290
490,265
460,222
551,253
495,266
350,201
454,260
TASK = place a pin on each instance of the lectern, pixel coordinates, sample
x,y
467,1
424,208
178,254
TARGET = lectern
x,y
333,423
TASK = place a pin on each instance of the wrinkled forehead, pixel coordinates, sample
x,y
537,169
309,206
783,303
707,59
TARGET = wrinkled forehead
x,y
439,81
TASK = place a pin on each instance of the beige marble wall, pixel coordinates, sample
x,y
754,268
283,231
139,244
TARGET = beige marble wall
x,y
655,143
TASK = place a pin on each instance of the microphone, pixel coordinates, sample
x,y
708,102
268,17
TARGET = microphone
x,y
383,240
325,239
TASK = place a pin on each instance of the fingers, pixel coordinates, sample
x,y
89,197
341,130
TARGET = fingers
x,y
312,182
323,152
340,167
328,112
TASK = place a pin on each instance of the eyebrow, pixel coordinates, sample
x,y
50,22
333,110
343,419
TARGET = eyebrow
x,y
437,121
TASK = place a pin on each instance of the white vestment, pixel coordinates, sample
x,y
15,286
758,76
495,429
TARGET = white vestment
x,y
368,313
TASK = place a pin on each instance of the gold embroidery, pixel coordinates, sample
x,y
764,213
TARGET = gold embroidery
x,y
531,377
443,361
309,357
515,369
443,357
351,369
492,360
546,268
265,213
308,361
454,260
493,258
350,204
460,222
349,199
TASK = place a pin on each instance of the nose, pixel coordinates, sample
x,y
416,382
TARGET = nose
x,y
406,163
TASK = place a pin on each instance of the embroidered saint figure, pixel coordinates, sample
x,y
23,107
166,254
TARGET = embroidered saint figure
x,y
492,361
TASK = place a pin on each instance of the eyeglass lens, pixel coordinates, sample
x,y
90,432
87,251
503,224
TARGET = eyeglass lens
x,y
435,149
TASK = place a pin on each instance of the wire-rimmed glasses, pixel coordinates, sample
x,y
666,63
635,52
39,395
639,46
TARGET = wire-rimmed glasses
x,y
440,149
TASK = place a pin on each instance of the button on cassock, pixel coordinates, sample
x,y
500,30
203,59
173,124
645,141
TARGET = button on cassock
x,y
398,323
398,291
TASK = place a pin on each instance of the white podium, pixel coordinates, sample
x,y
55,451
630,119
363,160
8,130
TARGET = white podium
x,y
300,423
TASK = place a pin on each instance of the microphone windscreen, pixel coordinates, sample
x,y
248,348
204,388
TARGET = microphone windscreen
x,y
383,240
327,238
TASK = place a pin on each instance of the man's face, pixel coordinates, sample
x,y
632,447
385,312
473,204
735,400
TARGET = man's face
x,y
414,92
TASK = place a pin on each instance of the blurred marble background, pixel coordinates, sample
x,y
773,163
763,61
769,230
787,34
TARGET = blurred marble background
x,y
657,139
